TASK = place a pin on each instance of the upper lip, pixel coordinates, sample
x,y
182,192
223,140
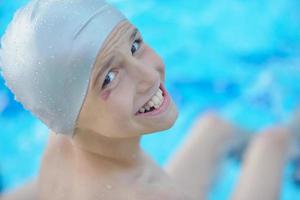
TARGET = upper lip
x,y
155,89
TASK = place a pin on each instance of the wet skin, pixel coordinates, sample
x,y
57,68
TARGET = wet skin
x,y
104,159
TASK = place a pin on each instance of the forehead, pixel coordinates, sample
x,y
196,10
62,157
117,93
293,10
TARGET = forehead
x,y
116,38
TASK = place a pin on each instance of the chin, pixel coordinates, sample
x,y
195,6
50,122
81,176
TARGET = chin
x,y
165,124
172,119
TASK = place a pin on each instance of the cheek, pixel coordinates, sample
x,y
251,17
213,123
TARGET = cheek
x,y
105,95
120,122
120,106
122,110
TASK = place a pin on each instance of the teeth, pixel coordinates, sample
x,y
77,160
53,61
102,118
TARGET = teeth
x,y
147,107
151,103
155,102
160,97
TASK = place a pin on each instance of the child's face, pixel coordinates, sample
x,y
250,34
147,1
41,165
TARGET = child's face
x,y
131,74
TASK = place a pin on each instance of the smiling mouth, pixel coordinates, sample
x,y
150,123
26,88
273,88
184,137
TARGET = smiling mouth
x,y
156,104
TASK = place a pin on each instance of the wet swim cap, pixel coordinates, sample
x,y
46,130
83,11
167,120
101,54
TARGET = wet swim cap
x,y
48,52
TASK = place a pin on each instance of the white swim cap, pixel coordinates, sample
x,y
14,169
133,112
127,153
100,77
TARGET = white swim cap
x,y
48,53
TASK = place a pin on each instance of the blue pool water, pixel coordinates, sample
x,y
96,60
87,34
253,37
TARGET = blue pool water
x,y
241,58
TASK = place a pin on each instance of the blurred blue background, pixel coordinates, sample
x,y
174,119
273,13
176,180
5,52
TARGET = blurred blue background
x,y
234,56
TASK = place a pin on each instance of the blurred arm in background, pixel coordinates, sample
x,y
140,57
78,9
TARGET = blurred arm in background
x,y
195,164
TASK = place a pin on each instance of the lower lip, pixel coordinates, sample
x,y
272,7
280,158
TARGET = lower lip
x,y
162,108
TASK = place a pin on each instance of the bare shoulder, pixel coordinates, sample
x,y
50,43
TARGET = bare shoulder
x,y
158,185
56,170
153,184
59,180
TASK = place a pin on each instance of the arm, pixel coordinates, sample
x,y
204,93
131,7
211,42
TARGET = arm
x,y
196,161
263,166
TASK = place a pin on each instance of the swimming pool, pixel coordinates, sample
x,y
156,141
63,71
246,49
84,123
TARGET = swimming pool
x,y
234,56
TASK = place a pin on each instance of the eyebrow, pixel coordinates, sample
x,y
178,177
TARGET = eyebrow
x,y
103,69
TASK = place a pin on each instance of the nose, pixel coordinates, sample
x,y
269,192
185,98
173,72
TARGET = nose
x,y
146,77
148,70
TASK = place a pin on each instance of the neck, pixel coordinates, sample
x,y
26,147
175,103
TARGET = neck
x,y
125,150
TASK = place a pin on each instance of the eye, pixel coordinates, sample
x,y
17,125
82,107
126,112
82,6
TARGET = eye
x,y
109,78
135,46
